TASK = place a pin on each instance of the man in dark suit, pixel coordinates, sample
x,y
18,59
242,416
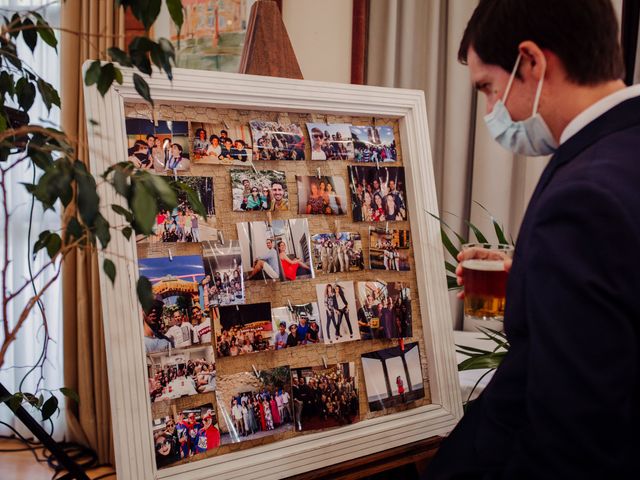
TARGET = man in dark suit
x,y
565,402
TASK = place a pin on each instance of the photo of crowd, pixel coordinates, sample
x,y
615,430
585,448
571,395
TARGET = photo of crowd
x,y
182,373
162,149
374,144
243,329
321,195
338,312
384,309
223,283
378,194
275,141
255,404
214,143
330,141
337,253
325,397
263,190
389,250
185,434
393,376
277,251
296,326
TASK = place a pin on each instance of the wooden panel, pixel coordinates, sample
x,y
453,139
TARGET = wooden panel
x,y
359,41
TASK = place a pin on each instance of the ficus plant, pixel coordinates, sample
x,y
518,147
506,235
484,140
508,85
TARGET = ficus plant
x,y
62,182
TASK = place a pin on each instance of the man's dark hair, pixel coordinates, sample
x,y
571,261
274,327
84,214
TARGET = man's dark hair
x,y
583,34
177,145
277,182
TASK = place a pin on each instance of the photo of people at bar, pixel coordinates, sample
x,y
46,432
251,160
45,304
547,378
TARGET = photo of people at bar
x,y
378,194
384,309
243,329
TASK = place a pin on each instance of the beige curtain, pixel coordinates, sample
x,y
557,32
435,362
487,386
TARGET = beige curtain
x,y
85,367
414,44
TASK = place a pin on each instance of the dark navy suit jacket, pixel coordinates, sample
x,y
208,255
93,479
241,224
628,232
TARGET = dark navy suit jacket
x,y
565,402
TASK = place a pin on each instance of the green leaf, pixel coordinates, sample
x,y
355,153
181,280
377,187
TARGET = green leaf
x,y
452,283
476,231
107,76
102,230
15,401
144,209
149,14
502,238
54,242
74,230
123,211
450,267
3,124
45,31
120,56
93,73
29,34
70,393
88,199
163,190
145,295
448,244
193,198
491,360
49,407
139,49
177,15
120,183
26,92
142,87
48,93
42,159
110,269
6,83
126,231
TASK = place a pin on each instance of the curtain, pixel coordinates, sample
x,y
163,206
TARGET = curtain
x,y
28,346
85,367
414,44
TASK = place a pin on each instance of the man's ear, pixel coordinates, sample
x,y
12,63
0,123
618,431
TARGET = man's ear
x,y
534,63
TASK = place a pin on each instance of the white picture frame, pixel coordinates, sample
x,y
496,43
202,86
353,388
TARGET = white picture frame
x,y
131,411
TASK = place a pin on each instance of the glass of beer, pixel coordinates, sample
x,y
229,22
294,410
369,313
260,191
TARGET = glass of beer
x,y
485,281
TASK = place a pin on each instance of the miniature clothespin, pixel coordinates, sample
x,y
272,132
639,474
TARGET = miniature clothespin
x,y
337,227
386,230
226,125
154,117
402,344
290,306
175,174
237,307
326,119
170,255
324,361
256,371
318,174
269,219
255,170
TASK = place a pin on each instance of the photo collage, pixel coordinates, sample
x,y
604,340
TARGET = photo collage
x,y
202,281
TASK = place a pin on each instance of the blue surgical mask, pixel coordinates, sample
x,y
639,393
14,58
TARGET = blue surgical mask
x,y
530,137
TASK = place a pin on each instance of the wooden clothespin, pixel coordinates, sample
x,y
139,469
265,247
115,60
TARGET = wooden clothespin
x,y
402,344
318,174
255,170
256,371
386,230
269,219
290,306
324,361
170,255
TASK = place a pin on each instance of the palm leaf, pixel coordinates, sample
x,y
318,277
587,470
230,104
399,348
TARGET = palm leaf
x,y
499,229
491,360
476,231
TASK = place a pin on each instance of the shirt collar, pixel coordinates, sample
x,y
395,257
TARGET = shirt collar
x,y
600,107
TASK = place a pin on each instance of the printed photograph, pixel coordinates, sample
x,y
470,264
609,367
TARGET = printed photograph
x,y
262,190
280,251
181,373
325,397
255,404
389,250
243,329
321,195
384,309
178,317
374,144
337,253
275,141
185,434
393,376
338,313
223,283
378,194
297,326
161,149
219,143
330,141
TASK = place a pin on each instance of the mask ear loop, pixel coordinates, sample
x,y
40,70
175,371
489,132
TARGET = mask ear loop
x,y
536,101
511,78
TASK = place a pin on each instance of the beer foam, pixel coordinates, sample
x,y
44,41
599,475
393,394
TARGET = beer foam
x,y
484,265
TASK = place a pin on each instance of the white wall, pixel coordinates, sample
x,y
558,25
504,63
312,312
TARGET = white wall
x,y
320,32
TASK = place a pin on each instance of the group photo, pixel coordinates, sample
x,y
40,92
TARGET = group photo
x,y
276,141
374,144
389,249
337,252
185,434
262,190
377,194
325,397
321,195
243,329
278,251
213,143
162,148
338,313
330,141
384,309
296,325
223,283
255,405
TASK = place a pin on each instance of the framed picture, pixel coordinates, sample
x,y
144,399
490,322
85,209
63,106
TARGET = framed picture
x,y
432,397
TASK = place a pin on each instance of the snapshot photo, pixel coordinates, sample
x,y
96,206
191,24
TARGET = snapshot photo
x,y
325,397
296,326
389,250
393,376
185,433
178,317
262,190
223,283
384,309
338,313
161,149
280,251
182,223
337,253
330,141
321,195
181,373
255,404
378,194
243,329
276,141
218,143
374,144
